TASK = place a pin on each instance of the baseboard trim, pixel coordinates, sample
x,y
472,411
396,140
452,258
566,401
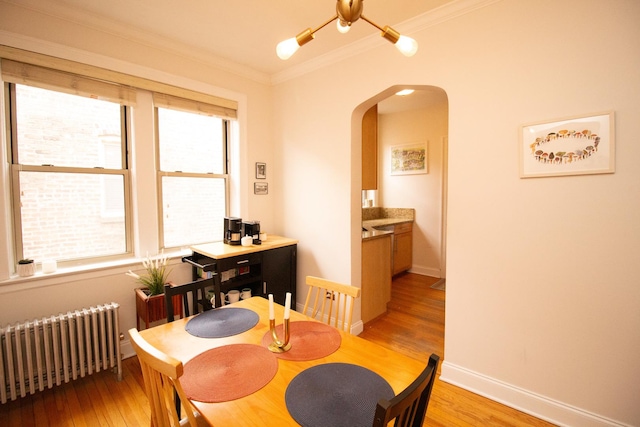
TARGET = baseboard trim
x,y
523,400
425,271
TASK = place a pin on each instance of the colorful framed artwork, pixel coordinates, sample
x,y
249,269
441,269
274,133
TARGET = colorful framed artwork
x,y
409,159
577,145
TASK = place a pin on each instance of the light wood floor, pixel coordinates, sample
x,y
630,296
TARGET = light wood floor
x,y
414,325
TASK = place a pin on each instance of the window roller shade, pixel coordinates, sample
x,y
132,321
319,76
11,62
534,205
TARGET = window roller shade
x,y
46,78
183,104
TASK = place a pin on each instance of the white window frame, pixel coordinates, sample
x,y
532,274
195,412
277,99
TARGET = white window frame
x,y
164,101
16,167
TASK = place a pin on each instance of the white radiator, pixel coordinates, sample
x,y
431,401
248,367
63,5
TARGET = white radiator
x,y
52,350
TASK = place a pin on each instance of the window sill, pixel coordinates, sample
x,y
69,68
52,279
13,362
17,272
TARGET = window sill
x,y
83,272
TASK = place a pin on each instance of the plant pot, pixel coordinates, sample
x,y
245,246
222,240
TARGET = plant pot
x,y
26,270
152,308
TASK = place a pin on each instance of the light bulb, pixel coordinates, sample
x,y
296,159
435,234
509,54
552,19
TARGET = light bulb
x,y
343,28
407,46
287,48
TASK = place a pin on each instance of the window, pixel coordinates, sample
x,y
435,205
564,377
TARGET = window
x,y
71,153
193,179
69,175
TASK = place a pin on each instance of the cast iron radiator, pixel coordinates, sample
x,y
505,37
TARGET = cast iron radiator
x,y
59,348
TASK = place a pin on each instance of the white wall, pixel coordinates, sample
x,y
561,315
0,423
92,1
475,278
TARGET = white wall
x,y
422,192
542,296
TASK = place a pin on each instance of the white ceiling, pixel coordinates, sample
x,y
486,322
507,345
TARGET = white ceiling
x,y
243,32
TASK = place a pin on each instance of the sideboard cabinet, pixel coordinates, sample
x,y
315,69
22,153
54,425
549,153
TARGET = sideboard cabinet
x,y
269,268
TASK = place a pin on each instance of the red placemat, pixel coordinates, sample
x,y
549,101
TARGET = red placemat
x,y
228,372
309,340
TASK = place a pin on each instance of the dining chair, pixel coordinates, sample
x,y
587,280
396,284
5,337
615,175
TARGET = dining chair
x,y
161,374
324,295
410,406
193,294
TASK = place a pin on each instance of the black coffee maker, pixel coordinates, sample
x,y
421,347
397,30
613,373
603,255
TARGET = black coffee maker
x,y
252,228
232,230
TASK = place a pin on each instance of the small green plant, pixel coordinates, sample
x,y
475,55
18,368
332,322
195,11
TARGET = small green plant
x,y
156,276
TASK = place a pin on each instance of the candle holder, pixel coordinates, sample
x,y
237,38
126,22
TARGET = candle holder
x,y
278,346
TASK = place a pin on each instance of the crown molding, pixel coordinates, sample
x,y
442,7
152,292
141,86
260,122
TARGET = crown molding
x,y
135,35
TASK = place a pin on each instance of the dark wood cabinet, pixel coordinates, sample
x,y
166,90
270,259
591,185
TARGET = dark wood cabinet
x,y
269,268
279,273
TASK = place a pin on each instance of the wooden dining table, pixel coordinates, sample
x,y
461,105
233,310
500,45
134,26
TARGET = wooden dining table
x,y
267,406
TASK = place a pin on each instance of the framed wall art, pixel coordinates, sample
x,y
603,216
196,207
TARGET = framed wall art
x,y
261,188
261,170
409,159
577,145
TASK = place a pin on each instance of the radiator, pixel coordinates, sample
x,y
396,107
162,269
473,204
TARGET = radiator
x,y
54,350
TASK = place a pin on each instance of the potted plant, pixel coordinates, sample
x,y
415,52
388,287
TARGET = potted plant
x,y
26,267
150,304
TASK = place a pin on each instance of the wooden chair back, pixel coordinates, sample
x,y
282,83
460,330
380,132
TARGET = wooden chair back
x,y
161,375
194,296
409,408
324,296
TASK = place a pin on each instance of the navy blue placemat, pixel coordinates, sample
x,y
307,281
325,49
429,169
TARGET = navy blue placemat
x,y
336,395
222,322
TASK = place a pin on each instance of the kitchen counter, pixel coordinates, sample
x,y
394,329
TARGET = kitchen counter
x,y
375,219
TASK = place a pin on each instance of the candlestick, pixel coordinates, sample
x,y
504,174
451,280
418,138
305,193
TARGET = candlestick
x,y
272,315
278,346
287,306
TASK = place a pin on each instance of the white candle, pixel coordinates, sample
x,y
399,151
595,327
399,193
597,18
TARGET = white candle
x,y
287,305
271,312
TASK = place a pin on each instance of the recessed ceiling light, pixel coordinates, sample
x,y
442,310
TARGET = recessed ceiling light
x,y
405,92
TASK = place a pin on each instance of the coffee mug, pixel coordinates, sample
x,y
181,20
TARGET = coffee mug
x,y
246,293
212,298
233,296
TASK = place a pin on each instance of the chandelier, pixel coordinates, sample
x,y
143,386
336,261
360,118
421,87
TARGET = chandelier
x,y
347,12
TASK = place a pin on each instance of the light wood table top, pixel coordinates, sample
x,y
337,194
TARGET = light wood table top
x,y
220,250
267,406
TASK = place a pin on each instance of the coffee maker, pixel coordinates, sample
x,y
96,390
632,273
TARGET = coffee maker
x,y
252,228
232,230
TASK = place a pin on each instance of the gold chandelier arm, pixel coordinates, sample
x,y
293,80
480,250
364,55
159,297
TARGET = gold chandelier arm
x,y
372,23
325,24
387,32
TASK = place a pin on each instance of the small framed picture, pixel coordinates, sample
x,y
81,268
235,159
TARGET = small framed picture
x,y
261,170
261,188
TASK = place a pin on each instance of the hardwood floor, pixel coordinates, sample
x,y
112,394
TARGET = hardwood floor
x,y
414,325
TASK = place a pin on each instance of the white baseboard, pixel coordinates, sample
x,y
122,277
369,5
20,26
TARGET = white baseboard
x,y
523,400
425,271
357,327
126,350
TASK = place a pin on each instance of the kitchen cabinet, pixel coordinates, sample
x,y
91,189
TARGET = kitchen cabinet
x,y
402,247
376,277
266,268
370,149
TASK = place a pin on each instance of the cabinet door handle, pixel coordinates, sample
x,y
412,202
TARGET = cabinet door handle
x,y
264,288
244,261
